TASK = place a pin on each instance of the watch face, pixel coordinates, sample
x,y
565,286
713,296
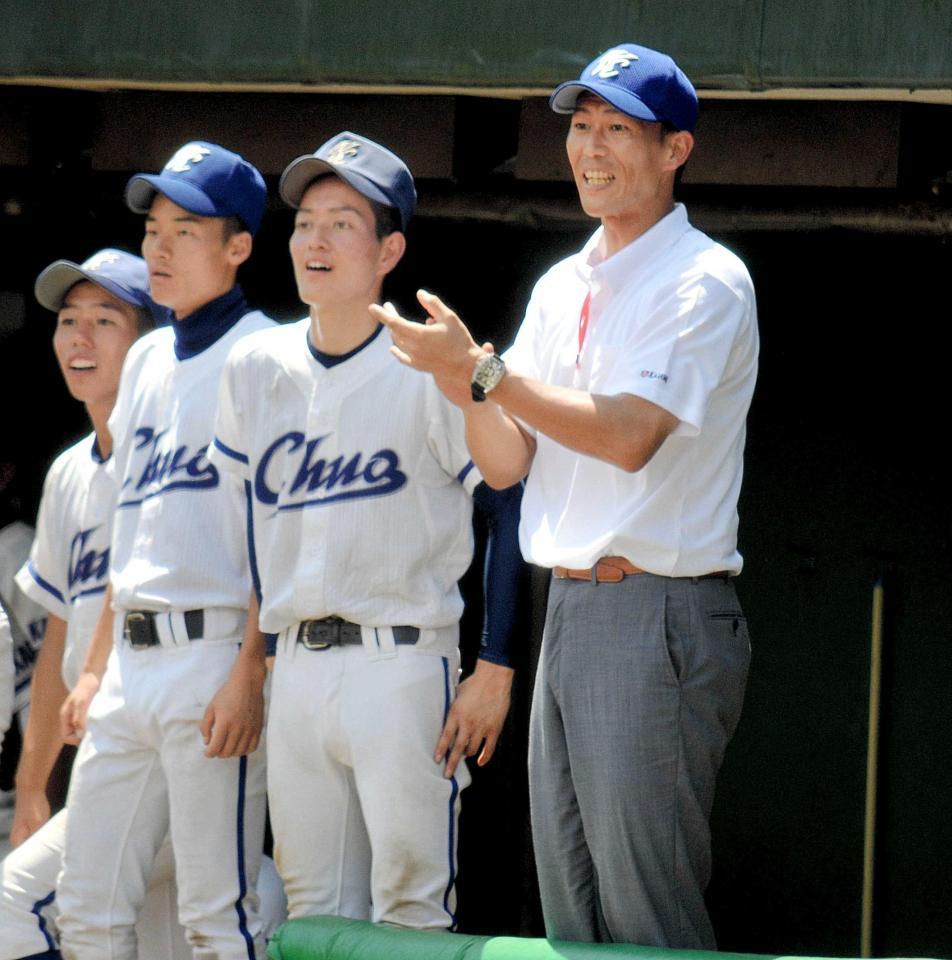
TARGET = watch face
x,y
486,374
489,372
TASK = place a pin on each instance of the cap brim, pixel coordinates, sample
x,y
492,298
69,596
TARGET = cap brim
x,y
142,188
60,277
565,96
301,173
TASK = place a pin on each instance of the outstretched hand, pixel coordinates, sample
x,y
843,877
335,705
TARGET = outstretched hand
x,y
475,720
441,346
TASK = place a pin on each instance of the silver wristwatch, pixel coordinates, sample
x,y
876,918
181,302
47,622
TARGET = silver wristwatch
x,y
487,373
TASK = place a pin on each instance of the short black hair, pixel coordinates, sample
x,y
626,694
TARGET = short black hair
x,y
668,127
145,319
386,219
232,225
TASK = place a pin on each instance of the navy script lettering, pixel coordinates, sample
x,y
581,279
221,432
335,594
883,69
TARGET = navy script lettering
x,y
291,466
26,650
166,468
86,564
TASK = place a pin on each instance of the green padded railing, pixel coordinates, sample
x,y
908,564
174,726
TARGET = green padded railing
x,y
336,938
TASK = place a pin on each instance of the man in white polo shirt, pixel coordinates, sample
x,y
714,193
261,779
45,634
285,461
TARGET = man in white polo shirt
x,y
624,399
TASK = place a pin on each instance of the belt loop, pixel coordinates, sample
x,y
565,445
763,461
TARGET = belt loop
x,y
595,573
379,642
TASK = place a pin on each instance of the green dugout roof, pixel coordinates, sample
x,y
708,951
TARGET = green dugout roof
x,y
838,49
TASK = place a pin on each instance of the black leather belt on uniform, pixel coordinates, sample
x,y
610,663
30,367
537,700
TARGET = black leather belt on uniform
x,y
335,632
140,631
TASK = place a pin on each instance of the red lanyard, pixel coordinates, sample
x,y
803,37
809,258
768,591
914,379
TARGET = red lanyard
x,y
583,327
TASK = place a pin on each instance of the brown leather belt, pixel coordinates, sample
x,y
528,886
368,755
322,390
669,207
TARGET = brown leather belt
x,y
614,570
607,570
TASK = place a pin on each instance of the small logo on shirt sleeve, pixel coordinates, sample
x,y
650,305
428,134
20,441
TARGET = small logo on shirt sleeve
x,y
654,375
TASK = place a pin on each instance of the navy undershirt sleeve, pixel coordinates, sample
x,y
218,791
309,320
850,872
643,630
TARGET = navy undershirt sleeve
x,y
503,571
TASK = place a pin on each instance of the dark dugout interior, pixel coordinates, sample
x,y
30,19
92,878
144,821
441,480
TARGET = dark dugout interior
x,y
846,485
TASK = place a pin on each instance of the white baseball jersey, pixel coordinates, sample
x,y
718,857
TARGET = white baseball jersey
x,y
374,441
68,567
15,541
169,496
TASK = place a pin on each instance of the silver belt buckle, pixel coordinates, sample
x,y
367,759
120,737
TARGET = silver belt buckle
x,y
312,629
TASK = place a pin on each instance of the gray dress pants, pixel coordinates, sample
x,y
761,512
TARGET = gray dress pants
x,y
639,690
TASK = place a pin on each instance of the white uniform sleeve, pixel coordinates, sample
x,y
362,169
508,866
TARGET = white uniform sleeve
x,y
229,448
678,351
44,578
447,438
119,422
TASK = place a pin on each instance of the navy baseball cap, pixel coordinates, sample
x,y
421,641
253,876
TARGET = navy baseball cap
x,y
121,274
372,170
206,179
638,81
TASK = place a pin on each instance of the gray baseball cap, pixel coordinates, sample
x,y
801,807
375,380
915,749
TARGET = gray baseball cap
x,y
372,170
122,274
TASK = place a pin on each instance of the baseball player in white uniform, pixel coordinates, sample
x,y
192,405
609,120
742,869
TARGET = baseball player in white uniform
x,y
102,306
176,719
27,619
360,487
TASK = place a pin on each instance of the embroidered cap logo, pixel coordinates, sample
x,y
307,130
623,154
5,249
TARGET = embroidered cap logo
x,y
186,156
607,66
342,152
97,262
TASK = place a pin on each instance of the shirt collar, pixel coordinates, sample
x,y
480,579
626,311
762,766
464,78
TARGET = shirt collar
x,y
95,452
328,360
612,273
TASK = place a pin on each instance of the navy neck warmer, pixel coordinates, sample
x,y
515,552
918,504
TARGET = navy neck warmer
x,y
199,330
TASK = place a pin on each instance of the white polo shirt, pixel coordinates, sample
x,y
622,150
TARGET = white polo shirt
x,y
673,320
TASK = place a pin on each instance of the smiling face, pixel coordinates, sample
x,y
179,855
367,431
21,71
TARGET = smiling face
x,y
94,330
624,168
191,261
339,262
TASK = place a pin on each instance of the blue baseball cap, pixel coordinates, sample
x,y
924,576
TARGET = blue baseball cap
x,y
638,81
206,179
122,274
372,170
